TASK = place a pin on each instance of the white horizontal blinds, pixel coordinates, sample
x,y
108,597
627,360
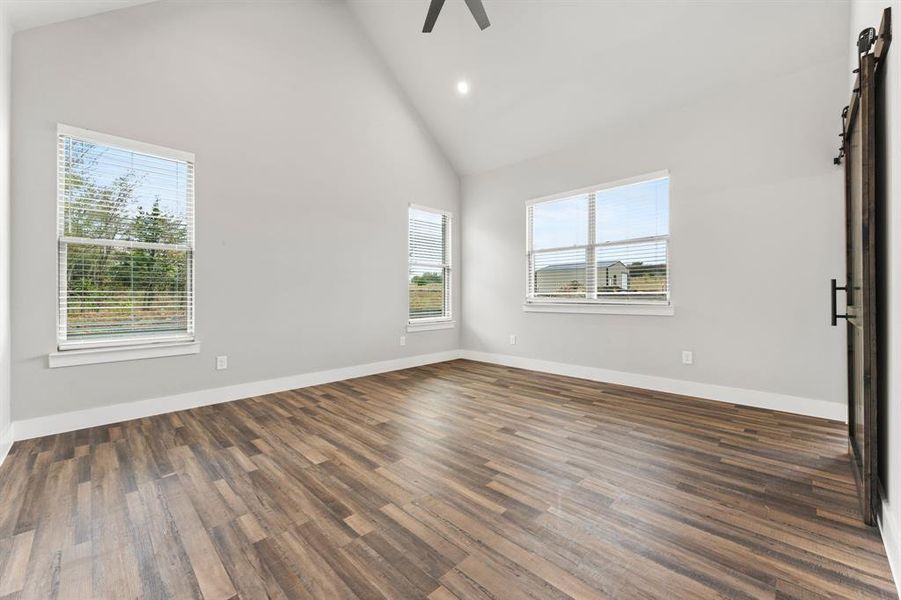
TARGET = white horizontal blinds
x,y
559,236
632,233
126,237
604,246
560,274
429,265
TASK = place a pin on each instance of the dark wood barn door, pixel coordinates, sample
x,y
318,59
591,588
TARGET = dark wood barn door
x,y
860,203
862,200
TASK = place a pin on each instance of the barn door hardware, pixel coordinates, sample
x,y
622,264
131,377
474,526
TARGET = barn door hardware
x,y
841,149
835,316
866,40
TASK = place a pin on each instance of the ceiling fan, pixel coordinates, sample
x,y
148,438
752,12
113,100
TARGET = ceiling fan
x,y
475,7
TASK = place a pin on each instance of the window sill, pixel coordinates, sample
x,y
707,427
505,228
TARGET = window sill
x,y
660,310
90,356
430,326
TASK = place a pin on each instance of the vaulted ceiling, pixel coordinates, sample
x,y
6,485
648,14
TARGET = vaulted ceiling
x,y
551,72
25,14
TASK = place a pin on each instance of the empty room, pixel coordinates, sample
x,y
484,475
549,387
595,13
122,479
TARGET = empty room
x,y
450,299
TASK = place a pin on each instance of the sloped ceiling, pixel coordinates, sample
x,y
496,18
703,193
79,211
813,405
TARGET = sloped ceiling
x,y
25,14
551,72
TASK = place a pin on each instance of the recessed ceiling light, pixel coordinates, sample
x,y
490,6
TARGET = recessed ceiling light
x,y
462,87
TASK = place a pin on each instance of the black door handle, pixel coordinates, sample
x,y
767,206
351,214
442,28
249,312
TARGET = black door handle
x,y
835,288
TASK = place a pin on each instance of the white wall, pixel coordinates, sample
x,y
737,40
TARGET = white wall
x,y
865,14
307,156
757,232
5,70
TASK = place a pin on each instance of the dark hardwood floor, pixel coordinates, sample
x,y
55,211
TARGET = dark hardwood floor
x,y
453,480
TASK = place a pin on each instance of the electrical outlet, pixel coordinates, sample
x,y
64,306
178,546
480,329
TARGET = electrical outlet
x,y
221,363
512,339
687,357
403,340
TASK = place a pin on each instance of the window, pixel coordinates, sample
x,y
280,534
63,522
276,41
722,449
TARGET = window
x,y
126,242
429,276
604,246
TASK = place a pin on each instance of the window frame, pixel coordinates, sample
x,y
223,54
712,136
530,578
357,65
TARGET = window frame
x,y
110,349
445,321
594,304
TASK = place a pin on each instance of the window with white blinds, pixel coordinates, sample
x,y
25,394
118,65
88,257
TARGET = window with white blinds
x,y
126,241
606,245
429,275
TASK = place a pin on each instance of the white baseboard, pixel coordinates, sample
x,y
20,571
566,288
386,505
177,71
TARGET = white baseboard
x,y
756,398
104,415
6,442
888,527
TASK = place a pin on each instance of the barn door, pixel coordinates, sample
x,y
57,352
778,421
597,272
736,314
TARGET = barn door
x,y
860,284
860,288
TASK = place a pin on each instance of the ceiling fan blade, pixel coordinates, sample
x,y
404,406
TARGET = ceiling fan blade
x,y
478,12
432,16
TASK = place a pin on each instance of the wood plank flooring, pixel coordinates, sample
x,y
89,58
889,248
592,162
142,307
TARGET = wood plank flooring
x,y
455,480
